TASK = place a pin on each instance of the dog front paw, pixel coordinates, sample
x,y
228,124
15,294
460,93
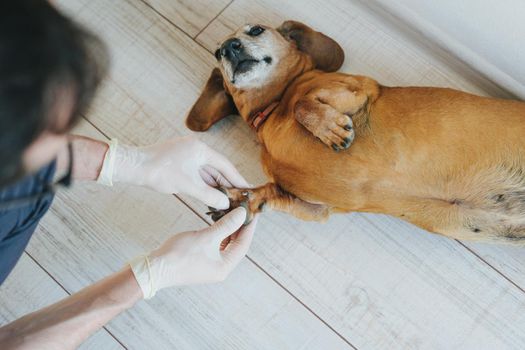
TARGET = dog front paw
x,y
337,132
333,128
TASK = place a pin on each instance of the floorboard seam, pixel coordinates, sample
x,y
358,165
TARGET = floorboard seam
x,y
212,20
302,303
96,127
471,251
278,283
69,294
490,265
174,25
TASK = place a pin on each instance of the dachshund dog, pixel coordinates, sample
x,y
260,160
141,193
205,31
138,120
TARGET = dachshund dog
x,y
447,161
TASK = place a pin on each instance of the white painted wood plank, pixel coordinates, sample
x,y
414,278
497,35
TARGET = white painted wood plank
x,y
84,128
29,288
510,260
96,230
152,85
191,16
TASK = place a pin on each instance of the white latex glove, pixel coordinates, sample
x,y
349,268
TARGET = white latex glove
x,y
181,165
195,257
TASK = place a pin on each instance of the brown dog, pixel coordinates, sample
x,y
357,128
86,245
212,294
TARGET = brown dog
x,y
447,161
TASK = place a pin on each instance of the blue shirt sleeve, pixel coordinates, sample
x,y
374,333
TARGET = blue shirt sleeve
x,y
17,225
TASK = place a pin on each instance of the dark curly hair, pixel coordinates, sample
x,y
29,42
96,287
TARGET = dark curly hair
x,y
41,50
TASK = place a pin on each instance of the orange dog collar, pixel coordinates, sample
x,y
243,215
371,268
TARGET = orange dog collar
x,y
260,117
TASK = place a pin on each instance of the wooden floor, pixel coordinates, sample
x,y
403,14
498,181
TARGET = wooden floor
x,y
357,282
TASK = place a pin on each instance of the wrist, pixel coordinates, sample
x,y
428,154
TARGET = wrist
x,y
88,156
92,166
105,176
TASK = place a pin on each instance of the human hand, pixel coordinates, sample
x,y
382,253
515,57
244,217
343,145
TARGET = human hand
x,y
196,257
180,165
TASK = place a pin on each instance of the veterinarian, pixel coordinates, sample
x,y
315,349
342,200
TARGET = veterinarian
x,y
50,69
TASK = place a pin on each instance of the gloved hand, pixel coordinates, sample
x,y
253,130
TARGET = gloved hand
x,y
204,256
180,165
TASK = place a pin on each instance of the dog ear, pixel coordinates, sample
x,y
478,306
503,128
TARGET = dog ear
x,y
327,55
213,104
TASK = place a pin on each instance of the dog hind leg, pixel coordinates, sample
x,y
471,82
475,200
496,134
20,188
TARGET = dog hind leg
x,y
255,200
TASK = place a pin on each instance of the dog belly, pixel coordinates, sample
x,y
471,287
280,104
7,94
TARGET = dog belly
x,y
453,169
484,203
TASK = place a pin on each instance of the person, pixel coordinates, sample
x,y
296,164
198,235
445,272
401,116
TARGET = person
x,y
50,69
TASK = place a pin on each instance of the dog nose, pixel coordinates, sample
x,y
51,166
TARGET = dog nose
x,y
231,48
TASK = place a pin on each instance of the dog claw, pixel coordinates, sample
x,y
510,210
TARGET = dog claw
x,y
217,214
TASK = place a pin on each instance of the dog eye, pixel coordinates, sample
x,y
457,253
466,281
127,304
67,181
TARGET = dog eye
x,y
218,54
255,31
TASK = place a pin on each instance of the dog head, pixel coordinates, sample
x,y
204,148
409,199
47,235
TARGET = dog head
x,y
256,64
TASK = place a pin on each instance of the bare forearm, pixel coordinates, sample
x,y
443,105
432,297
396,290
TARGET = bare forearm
x,y
66,324
88,157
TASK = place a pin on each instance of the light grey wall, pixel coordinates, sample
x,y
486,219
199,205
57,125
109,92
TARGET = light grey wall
x,y
487,35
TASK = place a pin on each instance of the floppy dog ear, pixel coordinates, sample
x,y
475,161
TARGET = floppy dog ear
x,y
325,52
213,104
